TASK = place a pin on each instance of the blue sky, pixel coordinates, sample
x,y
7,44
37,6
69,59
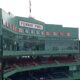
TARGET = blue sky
x,y
65,12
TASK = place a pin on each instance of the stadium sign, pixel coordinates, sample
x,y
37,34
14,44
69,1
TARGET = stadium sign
x,y
30,25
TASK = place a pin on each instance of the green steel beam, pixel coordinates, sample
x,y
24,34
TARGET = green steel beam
x,y
25,53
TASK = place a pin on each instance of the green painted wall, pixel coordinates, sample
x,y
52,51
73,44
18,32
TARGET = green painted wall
x,y
53,28
74,32
30,20
59,28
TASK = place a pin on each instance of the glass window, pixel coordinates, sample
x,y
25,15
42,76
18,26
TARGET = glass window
x,y
31,31
42,33
59,44
37,32
26,30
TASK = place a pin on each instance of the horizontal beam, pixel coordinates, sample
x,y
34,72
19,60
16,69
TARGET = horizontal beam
x,y
25,53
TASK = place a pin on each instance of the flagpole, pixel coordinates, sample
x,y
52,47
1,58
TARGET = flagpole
x,y
29,8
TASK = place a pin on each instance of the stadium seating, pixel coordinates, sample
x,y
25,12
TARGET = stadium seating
x,y
34,62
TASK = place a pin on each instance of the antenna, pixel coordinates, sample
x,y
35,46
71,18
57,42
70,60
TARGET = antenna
x,y
29,8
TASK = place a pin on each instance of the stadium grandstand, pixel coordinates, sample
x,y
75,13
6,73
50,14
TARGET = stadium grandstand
x,y
33,50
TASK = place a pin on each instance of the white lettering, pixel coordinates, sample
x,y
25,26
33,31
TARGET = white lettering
x,y
30,25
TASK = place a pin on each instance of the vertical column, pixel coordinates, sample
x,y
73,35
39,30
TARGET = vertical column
x,y
1,44
1,55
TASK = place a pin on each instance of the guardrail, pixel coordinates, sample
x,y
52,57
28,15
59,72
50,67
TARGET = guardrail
x,y
23,53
